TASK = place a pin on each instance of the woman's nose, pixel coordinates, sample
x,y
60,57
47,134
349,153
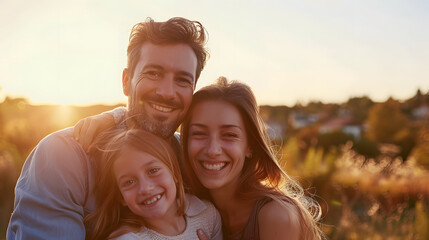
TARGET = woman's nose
x,y
214,148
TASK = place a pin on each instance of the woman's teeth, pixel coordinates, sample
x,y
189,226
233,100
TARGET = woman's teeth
x,y
152,200
217,166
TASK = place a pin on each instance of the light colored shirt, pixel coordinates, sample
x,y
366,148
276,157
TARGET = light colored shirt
x,y
199,214
54,191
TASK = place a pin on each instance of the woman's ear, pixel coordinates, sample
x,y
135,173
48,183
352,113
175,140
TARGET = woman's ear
x,y
249,153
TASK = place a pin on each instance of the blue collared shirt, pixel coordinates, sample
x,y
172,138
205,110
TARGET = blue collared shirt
x,y
54,191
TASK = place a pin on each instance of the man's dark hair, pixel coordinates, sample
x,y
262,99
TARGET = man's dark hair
x,y
175,30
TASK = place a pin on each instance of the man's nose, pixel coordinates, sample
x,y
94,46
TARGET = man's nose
x,y
165,87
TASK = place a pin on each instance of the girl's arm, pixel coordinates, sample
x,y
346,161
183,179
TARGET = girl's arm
x,y
88,128
279,221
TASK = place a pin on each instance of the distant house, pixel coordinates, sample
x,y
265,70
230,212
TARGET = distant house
x,y
275,130
421,112
354,130
300,120
343,124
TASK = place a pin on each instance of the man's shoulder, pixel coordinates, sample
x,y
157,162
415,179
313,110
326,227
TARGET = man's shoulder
x,y
59,147
65,134
61,140
57,161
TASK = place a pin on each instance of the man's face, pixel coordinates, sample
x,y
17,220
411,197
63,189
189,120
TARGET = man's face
x,y
161,88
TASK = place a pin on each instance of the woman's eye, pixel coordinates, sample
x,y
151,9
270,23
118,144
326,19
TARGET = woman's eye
x,y
231,135
197,133
154,170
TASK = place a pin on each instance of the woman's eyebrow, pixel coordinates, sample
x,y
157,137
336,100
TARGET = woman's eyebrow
x,y
230,126
222,126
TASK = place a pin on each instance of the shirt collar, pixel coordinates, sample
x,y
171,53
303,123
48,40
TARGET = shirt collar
x,y
194,205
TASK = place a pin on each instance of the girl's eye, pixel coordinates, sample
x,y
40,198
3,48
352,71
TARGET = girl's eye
x,y
128,183
154,170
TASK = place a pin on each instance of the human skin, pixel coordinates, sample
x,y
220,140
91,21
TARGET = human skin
x,y
148,189
161,86
217,144
217,148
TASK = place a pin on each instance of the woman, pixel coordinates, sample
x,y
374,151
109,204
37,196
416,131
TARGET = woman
x,y
229,160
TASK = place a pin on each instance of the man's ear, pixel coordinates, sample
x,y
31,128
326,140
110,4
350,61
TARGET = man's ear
x,y
126,82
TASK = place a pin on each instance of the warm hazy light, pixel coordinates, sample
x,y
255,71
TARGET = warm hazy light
x,y
64,115
73,52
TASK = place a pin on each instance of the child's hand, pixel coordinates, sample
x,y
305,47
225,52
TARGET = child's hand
x,y
88,128
201,235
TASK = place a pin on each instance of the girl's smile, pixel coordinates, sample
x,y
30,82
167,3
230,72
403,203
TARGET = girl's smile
x,y
146,184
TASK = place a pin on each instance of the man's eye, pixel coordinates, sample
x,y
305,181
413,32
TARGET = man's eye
x,y
184,82
153,75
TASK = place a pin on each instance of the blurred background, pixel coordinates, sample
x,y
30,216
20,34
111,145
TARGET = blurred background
x,y
342,85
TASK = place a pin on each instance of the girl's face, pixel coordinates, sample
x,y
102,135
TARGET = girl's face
x,y
217,144
146,184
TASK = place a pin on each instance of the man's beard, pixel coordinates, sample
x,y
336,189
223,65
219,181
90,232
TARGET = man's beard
x,y
139,117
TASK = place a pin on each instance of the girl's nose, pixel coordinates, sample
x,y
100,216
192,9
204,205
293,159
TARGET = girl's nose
x,y
145,186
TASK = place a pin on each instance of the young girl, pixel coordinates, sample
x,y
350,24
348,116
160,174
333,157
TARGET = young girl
x,y
231,162
140,192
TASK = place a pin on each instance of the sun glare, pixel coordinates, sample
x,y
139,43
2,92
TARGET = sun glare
x,y
64,115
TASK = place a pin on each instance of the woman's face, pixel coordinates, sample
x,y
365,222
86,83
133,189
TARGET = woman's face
x,y
217,144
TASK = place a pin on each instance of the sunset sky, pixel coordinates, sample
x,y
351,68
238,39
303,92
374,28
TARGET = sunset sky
x,y
288,51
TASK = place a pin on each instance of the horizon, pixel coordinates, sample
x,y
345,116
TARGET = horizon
x,y
30,102
288,52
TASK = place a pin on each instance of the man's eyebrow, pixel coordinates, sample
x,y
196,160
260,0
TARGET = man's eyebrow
x,y
149,66
157,66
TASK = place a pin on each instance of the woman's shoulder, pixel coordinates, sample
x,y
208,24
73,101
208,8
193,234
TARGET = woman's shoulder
x,y
279,219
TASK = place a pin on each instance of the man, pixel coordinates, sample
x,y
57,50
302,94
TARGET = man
x,y
54,192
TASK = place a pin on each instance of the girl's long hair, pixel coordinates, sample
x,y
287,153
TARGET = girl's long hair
x,y
261,175
112,219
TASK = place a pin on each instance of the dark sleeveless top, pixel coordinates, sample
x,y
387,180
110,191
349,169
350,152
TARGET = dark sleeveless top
x,y
251,229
